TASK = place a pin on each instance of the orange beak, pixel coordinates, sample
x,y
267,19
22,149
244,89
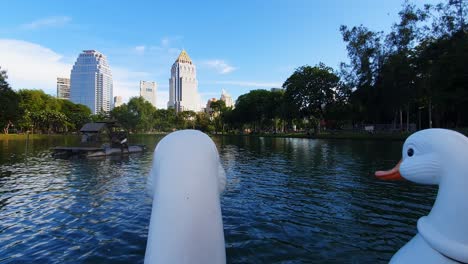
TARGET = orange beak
x,y
390,175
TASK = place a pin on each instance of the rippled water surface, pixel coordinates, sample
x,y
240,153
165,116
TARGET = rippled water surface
x,y
287,200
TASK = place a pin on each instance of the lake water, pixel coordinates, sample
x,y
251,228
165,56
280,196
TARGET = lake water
x,y
287,200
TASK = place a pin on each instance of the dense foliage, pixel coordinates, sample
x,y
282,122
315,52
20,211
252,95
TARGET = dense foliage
x,y
35,111
138,115
414,74
8,103
419,66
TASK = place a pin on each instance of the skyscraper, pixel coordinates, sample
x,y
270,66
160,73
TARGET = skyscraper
x,y
91,82
183,85
63,88
227,99
118,101
148,91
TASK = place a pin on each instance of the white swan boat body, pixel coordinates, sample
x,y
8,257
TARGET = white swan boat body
x,y
437,156
186,181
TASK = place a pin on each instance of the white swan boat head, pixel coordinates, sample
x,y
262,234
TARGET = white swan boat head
x,y
436,156
186,181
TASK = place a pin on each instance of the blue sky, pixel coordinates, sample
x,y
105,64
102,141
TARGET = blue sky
x,y
236,45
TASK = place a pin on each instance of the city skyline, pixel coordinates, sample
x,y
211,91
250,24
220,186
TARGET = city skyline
x,y
235,48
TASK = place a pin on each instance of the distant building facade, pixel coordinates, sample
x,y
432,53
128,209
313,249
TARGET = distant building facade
x,y
227,99
183,85
148,91
208,109
118,101
91,82
63,88
276,89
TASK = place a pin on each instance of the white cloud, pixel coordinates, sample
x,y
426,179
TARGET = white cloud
x,y
54,21
168,40
165,42
162,97
248,84
140,49
30,65
127,82
219,65
126,89
33,66
127,85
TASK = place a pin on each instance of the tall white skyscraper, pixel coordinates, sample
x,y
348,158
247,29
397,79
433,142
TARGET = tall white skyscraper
x,y
63,88
148,91
227,99
91,82
183,85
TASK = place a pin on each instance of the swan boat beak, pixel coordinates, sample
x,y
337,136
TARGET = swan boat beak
x,y
390,175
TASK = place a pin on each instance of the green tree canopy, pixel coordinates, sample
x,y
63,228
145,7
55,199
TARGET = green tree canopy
x,y
9,103
312,89
136,115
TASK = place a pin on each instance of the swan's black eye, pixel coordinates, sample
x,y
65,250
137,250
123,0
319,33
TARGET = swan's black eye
x,y
410,152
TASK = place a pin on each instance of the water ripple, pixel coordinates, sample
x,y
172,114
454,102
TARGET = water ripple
x,y
286,200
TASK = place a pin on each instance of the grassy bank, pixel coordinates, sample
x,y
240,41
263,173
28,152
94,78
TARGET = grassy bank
x,y
323,135
344,135
31,136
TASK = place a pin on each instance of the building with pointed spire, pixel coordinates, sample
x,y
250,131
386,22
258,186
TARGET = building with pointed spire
x,y
183,85
227,99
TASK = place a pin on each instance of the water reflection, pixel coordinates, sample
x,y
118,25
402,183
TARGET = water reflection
x,y
315,200
297,200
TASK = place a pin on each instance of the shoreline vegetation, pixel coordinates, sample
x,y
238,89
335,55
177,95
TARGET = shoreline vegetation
x,y
411,78
325,135
346,135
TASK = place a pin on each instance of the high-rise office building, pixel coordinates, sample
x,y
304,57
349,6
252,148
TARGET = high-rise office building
x,y
183,85
63,88
91,82
118,101
227,99
148,91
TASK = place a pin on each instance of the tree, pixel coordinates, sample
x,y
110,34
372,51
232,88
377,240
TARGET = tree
x,y
164,119
144,113
185,119
311,90
218,107
252,109
396,78
124,117
202,122
9,103
366,56
77,114
443,78
136,115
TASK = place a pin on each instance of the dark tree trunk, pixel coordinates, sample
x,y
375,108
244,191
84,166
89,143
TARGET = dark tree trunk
x,y
407,117
430,113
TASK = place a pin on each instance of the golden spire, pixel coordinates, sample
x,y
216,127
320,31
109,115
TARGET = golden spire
x,y
184,57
